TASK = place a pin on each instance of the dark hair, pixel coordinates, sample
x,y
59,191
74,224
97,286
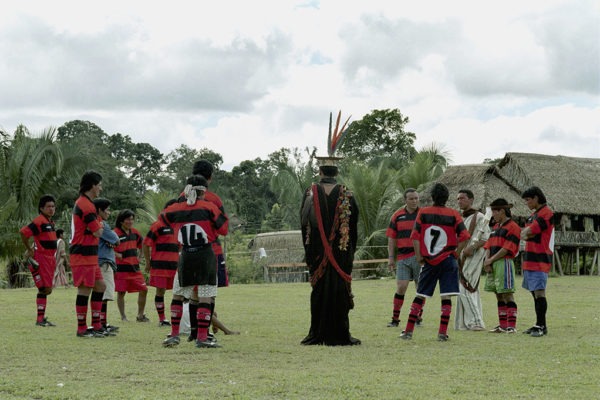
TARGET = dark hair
x,y
123,215
204,168
469,193
329,170
197,180
168,203
47,198
59,232
534,191
89,179
101,204
439,194
409,190
501,204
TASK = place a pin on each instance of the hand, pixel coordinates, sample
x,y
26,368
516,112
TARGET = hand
x,y
392,266
468,251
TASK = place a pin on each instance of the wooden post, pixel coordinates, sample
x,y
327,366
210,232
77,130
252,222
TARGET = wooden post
x,y
558,264
577,259
594,262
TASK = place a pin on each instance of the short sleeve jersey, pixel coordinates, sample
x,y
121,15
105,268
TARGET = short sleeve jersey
x,y
44,235
439,230
164,247
128,246
504,236
83,248
400,228
539,248
196,225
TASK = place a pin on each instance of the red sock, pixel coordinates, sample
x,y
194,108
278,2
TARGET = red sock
x,y
445,318
204,316
176,313
40,301
415,309
96,305
159,302
511,314
502,315
398,302
81,307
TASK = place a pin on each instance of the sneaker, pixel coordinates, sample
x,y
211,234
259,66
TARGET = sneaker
x,y
394,323
510,329
442,337
528,331
405,335
90,333
106,332
211,337
497,329
538,331
207,344
164,322
171,341
44,322
111,328
143,318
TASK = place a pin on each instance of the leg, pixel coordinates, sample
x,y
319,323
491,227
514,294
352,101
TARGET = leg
x,y
401,286
121,305
159,302
142,306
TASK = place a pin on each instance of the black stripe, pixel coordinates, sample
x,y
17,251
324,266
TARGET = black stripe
x,y
406,250
168,247
34,229
48,244
403,234
438,219
89,218
151,235
190,215
129,253
537,257
221,220
170,265
83,250
128,268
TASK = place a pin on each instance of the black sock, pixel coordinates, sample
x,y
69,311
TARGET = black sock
x,y
541,306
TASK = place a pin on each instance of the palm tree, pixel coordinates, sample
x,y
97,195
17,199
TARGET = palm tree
x,y
426,166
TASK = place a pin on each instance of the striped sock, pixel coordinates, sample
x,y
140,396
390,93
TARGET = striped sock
x,y
176,313
445,317
193,306
159,302
511,314
398,302
415,309
81,307
96,306
103,311
40,302
502,316
203,317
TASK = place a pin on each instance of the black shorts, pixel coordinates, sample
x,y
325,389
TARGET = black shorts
x,y
197,266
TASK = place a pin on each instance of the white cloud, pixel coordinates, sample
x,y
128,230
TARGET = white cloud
x,y
247,78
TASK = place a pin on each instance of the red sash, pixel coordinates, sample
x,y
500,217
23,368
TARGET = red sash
x,y
326,241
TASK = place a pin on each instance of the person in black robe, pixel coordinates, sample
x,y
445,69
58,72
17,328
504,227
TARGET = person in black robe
x,y
329,215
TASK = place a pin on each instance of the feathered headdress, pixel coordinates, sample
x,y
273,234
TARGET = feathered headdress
x,y
335,140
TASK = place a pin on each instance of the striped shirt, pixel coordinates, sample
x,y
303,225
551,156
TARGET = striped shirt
x,y
439,230
44,235
504,236
539,248
128,246
83,248
400,228
163,243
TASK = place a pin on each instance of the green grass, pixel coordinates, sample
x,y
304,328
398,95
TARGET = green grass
x,y
267,362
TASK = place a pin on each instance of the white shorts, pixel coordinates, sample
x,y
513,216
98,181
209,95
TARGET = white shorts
x,y
108,275
187,291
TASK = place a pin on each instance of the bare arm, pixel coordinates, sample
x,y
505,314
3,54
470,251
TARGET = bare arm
x,y
391,254
146,251
25,240
417,248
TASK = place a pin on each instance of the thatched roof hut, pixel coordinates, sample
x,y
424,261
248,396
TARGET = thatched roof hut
x,y
569,183
486,183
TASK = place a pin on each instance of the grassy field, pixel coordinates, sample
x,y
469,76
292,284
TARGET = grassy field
x,y
267,362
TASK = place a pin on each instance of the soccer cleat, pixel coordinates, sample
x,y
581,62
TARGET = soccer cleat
x,y
106,332
442,337
497,329
143,318
394,323
90,333
538,331
406,335
510,329
207,344
44,322
164,322
111,328
171,341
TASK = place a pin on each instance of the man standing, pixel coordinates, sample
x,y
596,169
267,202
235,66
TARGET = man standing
x,y
537,257
401,252
501,249
197,224
439,234
469,313
329,230
87,277
42,254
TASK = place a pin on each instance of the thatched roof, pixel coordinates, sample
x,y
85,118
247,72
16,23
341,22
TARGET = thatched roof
x,y
571,184
484,181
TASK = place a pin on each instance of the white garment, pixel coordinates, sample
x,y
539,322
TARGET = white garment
x,y
469,313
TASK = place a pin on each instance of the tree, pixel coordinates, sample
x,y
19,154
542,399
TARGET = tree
x,y
379,135
179,167
427,165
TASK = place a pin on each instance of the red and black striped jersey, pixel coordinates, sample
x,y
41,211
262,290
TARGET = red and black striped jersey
x,y
196,225
400,228
129,243
164,248
439,230
539,248
44,235
83,248
504,236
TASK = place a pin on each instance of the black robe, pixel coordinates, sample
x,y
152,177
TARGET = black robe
x,y
330,299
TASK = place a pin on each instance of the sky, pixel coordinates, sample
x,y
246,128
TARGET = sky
x,y
247,78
